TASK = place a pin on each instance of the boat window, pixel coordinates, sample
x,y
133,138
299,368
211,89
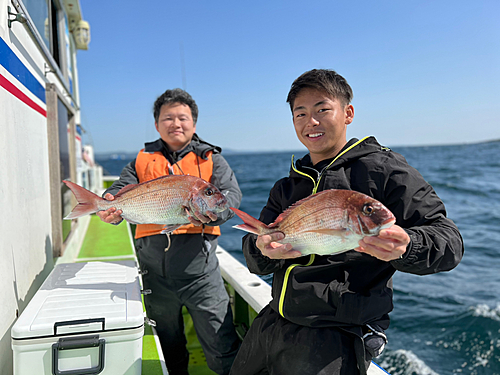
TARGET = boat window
x,y
39,14
70,50
62,163
55,32
50,21
63,118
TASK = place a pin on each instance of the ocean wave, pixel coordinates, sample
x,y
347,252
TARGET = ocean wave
x,y
478,353
486,311
468,191
405,362
471,342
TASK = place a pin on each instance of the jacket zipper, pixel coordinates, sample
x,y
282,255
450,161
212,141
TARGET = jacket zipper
x,y
285,282
314,191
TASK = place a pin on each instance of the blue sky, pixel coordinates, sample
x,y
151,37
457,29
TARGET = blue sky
x,y
422,72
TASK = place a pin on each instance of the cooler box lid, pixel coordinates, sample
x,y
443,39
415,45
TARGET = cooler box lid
x,y
84,297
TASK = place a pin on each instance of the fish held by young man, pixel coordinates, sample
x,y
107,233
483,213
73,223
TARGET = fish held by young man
x,y
329,222
167,200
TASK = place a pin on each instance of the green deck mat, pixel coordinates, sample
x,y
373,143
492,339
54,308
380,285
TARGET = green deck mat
x,y
150,360
105,240
197,360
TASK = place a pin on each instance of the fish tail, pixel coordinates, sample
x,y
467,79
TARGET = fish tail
x,y
87,201
252,225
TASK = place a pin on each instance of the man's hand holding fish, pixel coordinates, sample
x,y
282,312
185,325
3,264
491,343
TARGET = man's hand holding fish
x,y
197,218
268,245
390,244
111,215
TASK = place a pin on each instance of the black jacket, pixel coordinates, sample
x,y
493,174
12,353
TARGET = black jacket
x,y
352,288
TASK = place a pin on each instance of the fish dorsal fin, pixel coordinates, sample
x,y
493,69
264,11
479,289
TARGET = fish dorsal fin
x,y
124,189
133,186
285,213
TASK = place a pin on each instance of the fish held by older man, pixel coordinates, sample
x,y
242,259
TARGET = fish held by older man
x,y
329,222
167,200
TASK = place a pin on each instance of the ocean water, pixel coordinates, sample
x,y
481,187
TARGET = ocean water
x,y
447,323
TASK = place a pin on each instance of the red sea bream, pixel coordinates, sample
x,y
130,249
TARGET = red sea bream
x,y
163,200
329,222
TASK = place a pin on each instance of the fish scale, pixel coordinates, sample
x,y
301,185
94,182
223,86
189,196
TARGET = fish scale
x,y
303,239
155,208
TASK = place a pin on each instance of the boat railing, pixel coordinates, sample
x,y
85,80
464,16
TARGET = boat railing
x,y
248,292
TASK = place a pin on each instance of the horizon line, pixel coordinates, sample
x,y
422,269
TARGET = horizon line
x,y
232,150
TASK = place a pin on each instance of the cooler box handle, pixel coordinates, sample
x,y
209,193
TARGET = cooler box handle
x,y
76,322
78,343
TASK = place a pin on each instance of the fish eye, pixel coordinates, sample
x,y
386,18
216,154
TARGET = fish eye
x,y
367,209
209,192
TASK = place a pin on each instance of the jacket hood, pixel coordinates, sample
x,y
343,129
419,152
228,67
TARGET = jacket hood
x,y
353,150
197,145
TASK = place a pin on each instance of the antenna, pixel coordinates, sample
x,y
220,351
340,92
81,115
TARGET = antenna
x,y
183,67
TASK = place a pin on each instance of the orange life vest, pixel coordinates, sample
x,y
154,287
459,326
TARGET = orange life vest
x,y
151,165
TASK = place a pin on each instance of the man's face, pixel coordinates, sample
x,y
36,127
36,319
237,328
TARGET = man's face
x,y
175,125
321,123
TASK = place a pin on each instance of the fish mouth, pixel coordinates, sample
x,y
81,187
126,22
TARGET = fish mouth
x,y
388,223
222,206
375,231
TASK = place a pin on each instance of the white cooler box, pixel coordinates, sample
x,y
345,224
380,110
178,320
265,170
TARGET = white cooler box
x,y
86,318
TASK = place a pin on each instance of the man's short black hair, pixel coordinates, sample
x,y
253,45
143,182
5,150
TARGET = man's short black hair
x,y
175,96
324,80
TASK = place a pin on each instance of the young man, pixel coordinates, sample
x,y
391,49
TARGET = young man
x,y
182,268
328,313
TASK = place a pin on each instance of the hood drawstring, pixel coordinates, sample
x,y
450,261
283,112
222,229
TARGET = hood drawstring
x,y
169,242
171,170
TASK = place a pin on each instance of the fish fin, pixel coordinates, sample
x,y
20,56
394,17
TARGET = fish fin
x,y
126,188
285,213
170,228
278,220
87,201
251,225
246,228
